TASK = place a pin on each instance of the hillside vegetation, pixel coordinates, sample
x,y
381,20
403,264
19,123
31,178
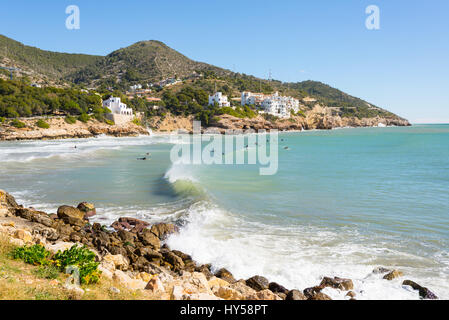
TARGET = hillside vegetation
x,y
38,63
143,63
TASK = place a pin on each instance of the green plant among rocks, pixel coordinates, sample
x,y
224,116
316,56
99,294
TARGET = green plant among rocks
x,y
84,118
83,259
18,124
137,121
36,255
42,124
70,120
79,258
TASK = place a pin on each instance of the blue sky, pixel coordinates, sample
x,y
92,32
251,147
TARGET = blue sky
x,y
403,67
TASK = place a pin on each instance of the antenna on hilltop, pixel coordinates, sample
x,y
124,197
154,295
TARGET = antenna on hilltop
x,y
269,75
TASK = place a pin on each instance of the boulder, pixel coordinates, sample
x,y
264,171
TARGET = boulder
x,y
225,275
74,292
126,236
245,291
59,246
310,292
173,260
106,271
178,293
149,239
126,281
163,230
337,283
88,209
130,224
118,260
227,293
196,282
393,275
320,296
70,212
350,294
155,285
277,288
258,283
295,295
23,235
35,216
74,221
205,268
424,293
217,282
7,204
149,253
265,294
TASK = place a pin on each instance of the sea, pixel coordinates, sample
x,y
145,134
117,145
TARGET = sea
x,y
341,203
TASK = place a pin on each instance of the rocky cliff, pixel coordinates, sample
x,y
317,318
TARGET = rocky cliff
x,y
317,118
59,129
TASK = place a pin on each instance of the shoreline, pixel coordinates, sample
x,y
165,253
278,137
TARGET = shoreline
x,y
136,256
60,130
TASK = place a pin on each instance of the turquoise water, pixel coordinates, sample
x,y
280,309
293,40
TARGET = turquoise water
x,y
342,202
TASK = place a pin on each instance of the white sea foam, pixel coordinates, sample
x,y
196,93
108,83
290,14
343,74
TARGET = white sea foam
x,y
297,257
27,151
179,172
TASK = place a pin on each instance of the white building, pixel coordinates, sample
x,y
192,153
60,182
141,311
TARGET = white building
x,y
117,107
135,87
252,98
219,98
280,106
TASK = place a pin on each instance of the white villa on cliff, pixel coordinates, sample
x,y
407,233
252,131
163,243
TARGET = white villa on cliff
x,y
274,104
117,107
219,98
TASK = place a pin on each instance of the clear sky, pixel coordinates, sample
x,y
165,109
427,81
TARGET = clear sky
x,y
403,67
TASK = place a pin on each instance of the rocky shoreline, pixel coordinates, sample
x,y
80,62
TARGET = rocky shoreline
x,y
133,253
317,118
59,129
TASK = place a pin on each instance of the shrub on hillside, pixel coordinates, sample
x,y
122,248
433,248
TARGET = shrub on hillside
x,y
137,121
70,120
18,124
42,124
84,118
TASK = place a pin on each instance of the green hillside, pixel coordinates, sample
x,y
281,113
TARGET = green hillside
x,y
39,63
152,61
145,61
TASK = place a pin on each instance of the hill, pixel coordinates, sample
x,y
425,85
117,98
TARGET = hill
x,y
152,61
145,61
38,64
